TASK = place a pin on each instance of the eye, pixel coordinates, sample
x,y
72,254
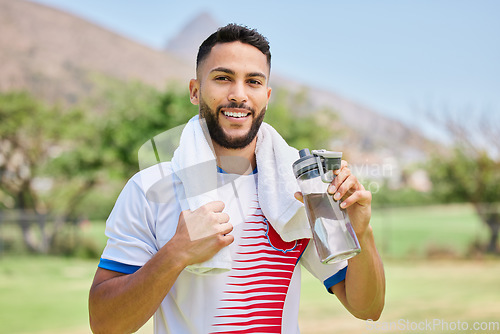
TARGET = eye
x,y
222,78
255,82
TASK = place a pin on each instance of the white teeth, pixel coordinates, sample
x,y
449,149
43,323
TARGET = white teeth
x,y
235,114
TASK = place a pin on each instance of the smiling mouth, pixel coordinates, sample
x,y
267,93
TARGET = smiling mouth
x,y
236,114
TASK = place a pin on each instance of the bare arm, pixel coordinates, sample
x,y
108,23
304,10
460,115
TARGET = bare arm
x,y
363,290
123,303
120,303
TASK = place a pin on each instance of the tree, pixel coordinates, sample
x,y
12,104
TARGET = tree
x,y
470,170
30,134
52,158
120,117
137,112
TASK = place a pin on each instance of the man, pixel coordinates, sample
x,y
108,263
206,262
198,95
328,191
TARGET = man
x,y
155,247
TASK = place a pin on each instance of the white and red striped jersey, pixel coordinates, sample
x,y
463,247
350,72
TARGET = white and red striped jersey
x,y
260,294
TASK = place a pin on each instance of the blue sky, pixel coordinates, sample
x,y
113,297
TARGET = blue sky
x,y
394,56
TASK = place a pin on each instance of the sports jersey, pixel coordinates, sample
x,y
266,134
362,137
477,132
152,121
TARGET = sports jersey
x,y
260,294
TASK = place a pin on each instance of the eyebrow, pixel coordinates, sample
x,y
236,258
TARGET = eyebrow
x,y
231,72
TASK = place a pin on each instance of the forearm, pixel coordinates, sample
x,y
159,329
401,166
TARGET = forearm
x,y
365,280
123,304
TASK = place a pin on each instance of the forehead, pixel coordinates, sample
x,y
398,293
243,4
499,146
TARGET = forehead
x,y
239,57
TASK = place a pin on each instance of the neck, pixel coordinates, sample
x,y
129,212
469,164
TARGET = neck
x,y
236,161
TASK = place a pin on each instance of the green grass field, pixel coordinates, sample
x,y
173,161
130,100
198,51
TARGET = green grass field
x,y
419,232
49,295
446,291
42,294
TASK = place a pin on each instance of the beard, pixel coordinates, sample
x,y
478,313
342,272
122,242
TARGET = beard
x,y
217,133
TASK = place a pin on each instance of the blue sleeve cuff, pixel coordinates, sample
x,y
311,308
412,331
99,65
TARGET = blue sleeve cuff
x,y
338,277
117,266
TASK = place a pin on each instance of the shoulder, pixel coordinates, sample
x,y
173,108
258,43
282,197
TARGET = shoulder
x,y
155,184
150,177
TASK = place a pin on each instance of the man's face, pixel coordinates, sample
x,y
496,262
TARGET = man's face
x,y
232,92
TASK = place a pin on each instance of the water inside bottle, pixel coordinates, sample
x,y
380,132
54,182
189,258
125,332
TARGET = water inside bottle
x,y
332,231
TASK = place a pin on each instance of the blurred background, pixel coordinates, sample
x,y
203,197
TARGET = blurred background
x,y
409,91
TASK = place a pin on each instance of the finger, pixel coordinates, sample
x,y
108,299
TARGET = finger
x,y
222,229
343,164
361,197
215,206
226,239
346,188
298,195
342,175
225,228
221,217
215,228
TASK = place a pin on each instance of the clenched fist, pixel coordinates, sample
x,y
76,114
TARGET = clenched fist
x,y
203,232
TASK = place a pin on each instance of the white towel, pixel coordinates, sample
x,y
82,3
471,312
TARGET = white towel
x,y
194,163
277,185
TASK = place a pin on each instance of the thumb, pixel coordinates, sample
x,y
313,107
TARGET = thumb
x,y
298,195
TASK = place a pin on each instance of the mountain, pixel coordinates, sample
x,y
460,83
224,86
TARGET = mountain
x,y
185,44
54,54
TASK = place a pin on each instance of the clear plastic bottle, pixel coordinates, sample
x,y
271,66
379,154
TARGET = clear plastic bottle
x,y
332,231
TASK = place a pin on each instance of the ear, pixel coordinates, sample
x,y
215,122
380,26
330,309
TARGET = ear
x,y
194,91
269,89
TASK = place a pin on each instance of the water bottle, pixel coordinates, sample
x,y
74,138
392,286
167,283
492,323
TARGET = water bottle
x,y
332,231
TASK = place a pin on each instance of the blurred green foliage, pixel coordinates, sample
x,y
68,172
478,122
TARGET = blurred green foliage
x,y
298,123
31,132
467,174
120,117
386,197
464,177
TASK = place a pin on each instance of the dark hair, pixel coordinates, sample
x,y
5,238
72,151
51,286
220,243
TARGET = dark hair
x,y
233,33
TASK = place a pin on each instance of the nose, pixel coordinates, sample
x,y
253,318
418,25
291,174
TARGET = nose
x,y
237,93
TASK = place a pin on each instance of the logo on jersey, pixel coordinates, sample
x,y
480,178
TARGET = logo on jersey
x,y
275,240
